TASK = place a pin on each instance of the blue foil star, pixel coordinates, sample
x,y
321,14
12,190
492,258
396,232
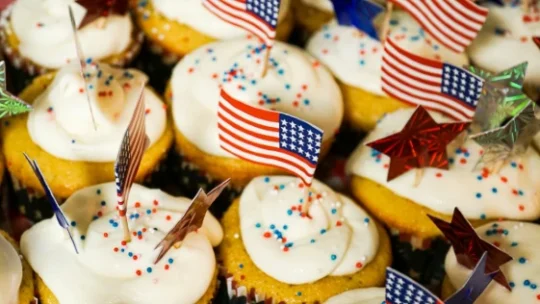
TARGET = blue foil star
x,y
358,13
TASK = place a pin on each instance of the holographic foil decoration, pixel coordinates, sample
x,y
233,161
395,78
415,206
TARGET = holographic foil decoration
x,y
358,13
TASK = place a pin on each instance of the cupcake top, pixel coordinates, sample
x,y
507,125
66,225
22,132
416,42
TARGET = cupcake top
x,y
356,59
111,270
512,193
519,240
61,123
336,238
359,296
323,5
195,15
43,28
509,28
11,272
295,84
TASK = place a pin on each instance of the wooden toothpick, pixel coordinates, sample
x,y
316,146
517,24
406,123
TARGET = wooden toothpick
x,y
265,61
386,22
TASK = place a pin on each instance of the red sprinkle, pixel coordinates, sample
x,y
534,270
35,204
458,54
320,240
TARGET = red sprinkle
x,y
135,257
438,174
168,217
137,205
359,265
463,161
504,179
521,207
285,249
124,243
106,235
338,223
496,244
138,272
115,249
166,266
147,111
156,203
267,234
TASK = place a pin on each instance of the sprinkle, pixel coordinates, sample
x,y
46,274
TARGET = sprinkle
x,y
323,231
73,224
258,225
105,235
312,241
478,195
149,269
359,265
138,272
170,261
522,260
83,237
299,293
333,257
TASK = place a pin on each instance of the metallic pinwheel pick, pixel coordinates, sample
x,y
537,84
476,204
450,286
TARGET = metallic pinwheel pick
x,y
191,220
60,217
9,103
358,13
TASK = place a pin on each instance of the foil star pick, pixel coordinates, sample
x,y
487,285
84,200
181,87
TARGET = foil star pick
x,y
469,247
96,9
475,285
513,138
358,13
10,104
536,40
192,220
421,143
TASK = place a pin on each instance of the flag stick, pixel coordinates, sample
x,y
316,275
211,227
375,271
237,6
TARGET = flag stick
x,y
525,5
419,174
265,61
127,236
386,22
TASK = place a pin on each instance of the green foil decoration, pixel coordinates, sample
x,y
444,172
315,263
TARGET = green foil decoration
x,y
9,104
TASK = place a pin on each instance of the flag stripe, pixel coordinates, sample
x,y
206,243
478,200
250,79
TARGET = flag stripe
x,y
262,118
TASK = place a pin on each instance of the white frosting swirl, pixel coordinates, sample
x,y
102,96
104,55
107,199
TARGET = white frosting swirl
x,y
10,273
485,51
338,238
359,296
355,58
519,240
61,124
105,271
513,193
195,15
323,5
294,84
44,31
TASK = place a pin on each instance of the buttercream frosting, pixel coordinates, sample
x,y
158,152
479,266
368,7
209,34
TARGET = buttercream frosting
x,y
43,28
510,29
356,59
194,14
338,236
61,124
519,240
108,270
359,296
295,84
10,273
323,5
512,193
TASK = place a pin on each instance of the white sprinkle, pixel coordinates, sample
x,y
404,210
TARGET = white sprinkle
x,y
236,235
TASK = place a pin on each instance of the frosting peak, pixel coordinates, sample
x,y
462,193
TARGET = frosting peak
x,y
278,233
112,271
61,122
11,273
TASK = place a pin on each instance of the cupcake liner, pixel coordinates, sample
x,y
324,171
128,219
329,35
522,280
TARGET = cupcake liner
x,y
230,292
421,259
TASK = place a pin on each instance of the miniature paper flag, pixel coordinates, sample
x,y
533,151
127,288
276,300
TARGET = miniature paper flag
x,y
82,65
421,143
475,285
435,85
130,155
454,23
268,137
358,13
469,247
255,16
60,217
9,104
96,9
191,220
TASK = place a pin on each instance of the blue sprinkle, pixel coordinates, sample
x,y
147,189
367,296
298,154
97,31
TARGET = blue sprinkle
x,y
88,60
139,232
467,154
366,220
73,224
533,286
170,261
94,217
520,192
526,282
334,210
73,141
458,151
451,160
299,293
289,212
478,195
522,260
281,187
148,211
115,225
83,237
394,22
122,250
258,225
241,265
333,257
285,227
98,191
267,179
323,231
479,177
513,164
306,102
130,254
482,216
312,241
494,190
362,62
272,226
512,284
149,269
514,244
111,221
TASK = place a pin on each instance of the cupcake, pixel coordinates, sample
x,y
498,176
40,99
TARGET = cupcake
x,y
288,243
176,28
400,204
359,296
37,37
108,270
295,84
355,60
518,239
60,134
16,280
311,15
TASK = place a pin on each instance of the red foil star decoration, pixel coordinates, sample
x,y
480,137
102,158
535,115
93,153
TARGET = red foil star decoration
x,y
469,247
422,143
96,9
536,40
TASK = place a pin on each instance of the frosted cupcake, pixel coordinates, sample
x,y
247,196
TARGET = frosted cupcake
x,y
519,240
59,133
16,280
111,270
355,60
311,15
479,194
359,296
295,84
176,28
279,249
37,37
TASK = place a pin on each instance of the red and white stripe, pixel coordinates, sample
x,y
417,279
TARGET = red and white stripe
x,y
454,23
253,134
417,81
235,12
131,153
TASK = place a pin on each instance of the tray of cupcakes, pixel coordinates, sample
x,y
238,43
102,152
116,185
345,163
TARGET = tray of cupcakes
x,y
269,151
